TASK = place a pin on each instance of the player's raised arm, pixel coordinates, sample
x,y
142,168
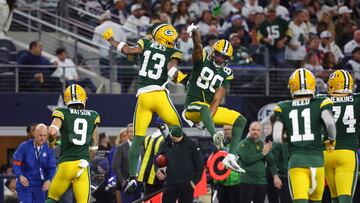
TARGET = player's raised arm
x,y
198,48
219,95
120,46
173,71
54,127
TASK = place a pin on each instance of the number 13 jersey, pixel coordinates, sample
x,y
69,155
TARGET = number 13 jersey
x,y
304,128
76,132
205,78
153,65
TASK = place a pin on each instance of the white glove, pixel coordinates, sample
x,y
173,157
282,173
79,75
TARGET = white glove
x,y
192,28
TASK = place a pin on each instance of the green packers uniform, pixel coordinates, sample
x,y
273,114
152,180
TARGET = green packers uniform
x,y
276,30
152,96
341,165
304,126
76,133
204,80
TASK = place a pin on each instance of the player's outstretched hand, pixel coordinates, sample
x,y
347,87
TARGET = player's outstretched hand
x,y
108,33
192,28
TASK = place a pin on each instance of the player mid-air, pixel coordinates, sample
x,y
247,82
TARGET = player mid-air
x,y
159,62
205,90
341,165
304,119
78,129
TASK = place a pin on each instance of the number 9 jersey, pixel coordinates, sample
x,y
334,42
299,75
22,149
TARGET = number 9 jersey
x,y
76,132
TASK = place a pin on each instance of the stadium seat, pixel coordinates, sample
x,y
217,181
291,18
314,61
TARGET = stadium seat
x,y
9,45
5,54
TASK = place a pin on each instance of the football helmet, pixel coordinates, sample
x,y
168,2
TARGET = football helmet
x,y
302,82
340,82
75,94
165,35
221,54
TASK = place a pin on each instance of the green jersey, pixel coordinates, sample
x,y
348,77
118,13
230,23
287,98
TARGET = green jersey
x,y
304,126
205,78
346,110
275,30
154,59
76,132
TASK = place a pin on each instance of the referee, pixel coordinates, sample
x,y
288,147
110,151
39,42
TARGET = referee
x,y
147,173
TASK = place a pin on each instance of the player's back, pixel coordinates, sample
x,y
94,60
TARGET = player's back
x,y
153,64
345,110
304,127
205,78
76,132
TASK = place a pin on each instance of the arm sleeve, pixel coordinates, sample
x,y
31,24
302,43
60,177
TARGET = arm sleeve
x,y
278,125
329,122
17,160
198,164
247,157
51,165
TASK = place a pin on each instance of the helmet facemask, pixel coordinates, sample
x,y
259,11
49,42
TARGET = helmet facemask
x,y
219,59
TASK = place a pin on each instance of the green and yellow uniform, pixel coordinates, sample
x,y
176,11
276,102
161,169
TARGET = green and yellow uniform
x,y
304,126
152,94
341,165
76,133
204,80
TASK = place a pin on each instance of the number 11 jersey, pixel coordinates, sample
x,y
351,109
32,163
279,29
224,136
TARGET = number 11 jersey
x,y
153,65
304,128
76,132
205,78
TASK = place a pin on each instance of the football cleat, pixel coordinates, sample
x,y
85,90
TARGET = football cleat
x,y
130,185
219,139
230,162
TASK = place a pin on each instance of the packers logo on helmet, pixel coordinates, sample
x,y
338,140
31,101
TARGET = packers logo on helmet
x,y
222,52
75,94
340,82
302,82
165,35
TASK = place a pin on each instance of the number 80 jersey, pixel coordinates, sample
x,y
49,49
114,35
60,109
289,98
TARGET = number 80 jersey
x,y
205,78
76,132
153,65
304,128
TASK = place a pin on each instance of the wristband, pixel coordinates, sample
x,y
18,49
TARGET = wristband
x,y
120,46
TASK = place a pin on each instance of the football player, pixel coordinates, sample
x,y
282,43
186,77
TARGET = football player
x,y
205,90
341,165
159,61
303,118
78,129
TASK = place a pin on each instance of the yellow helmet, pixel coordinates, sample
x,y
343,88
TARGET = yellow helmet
x,y
75,94
340,82
166,35
302,82
221,49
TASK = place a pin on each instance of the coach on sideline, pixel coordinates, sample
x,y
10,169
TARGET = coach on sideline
x,y
34,166
254,156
